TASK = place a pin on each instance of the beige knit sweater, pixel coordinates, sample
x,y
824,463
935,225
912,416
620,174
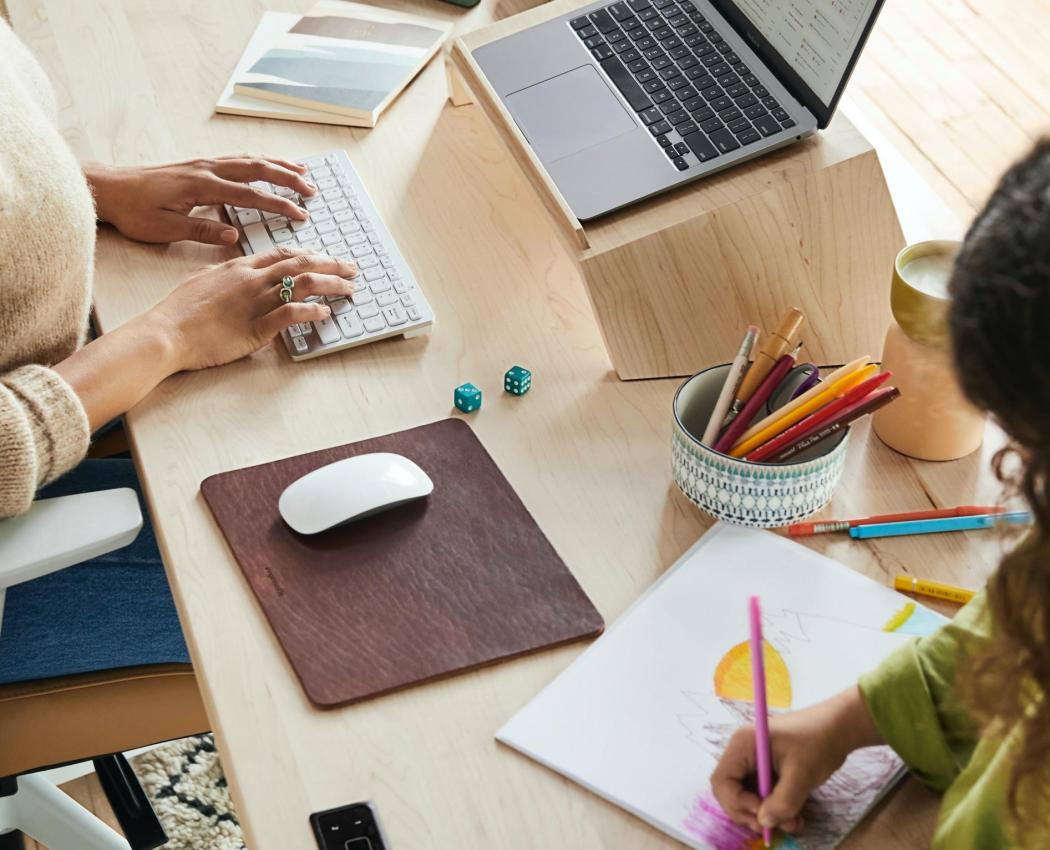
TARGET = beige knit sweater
x,y
47,247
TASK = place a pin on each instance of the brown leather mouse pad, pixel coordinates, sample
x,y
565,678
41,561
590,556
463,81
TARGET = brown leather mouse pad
x,y
449,583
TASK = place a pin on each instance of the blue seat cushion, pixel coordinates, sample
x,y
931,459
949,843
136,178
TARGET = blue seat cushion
x,y
111,612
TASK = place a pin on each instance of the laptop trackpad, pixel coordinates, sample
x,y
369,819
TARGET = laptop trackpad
x,y
569,113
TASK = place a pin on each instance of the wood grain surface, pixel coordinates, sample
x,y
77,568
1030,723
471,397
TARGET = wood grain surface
x,y
589,455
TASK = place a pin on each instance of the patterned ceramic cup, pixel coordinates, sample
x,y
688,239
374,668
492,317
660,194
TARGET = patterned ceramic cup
x,y
764,495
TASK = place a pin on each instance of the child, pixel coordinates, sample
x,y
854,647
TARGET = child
x,y
966,708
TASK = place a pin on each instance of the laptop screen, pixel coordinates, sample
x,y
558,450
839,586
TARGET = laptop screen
x,y
817,38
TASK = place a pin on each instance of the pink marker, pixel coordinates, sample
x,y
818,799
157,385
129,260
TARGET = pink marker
x,y
758,679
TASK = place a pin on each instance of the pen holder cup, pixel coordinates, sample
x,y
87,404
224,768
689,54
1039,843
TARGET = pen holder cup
x,y
762,495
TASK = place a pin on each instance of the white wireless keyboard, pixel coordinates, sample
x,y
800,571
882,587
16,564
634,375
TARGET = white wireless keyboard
x,y
343,222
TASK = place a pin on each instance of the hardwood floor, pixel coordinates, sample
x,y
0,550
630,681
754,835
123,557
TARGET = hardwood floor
x,y
960,87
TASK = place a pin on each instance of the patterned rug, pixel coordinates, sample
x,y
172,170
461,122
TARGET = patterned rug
x,y
186,784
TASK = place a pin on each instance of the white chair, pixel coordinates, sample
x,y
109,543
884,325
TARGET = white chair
x,y
92,716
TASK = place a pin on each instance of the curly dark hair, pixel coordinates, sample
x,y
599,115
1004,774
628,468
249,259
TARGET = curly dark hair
x,y
1000,330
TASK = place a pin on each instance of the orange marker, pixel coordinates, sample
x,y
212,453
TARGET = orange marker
x,y
831,526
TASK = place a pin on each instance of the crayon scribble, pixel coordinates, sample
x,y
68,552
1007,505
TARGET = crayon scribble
x,y
707,822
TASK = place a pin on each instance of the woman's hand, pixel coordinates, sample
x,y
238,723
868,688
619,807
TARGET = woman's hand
x,y
228,311
219,314
807,747
154,203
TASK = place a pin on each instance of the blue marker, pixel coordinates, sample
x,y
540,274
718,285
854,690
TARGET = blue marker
x,y
936,526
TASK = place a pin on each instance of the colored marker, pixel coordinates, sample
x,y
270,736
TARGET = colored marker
x,y
784,365
817,433
821,415
939,526
809,394
777,344
725,398
935,589
832,526
758,680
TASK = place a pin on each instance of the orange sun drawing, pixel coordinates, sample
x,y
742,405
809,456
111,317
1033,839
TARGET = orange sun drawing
x,y
733,676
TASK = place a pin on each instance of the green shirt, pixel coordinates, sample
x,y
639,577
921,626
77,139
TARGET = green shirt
x,y
911,696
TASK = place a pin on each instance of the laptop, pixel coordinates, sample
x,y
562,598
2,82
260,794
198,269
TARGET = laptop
x,y
624,100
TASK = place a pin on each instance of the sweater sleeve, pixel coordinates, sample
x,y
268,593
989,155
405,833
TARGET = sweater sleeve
x,y
913,699
44,432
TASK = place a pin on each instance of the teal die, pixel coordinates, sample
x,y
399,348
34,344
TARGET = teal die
x,y
467,398
517,380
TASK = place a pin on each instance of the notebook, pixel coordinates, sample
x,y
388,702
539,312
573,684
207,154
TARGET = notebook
x,y
344,58
272,26
643,715
446,584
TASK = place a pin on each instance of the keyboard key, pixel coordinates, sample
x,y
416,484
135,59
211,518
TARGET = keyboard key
x,y
295,330
653,86
702,114
593,42
662,33
343,216
362,297
711,60
589,32
328,331
659,128
249,217
630,56
753,112
669,73
787,124
332,239
781,115
616,36
375,324
602,20
687,127
687,31
712,93
368,262
762,91
701,147
579,23
326,227
739,90
646,44
749,136
623,46
739,126
680,163
275,222
721,70
332,194
724,141
386,299
678,117
659,63
770,102
367,311
720,103
731,114
677,83
414,313
307,234
373,274
747,100
651,115
654,52
767,125
395,315
727,80
282,235
382,285
602,52
360,251
350,326
731,58
660,96
672,43
682,148
751,80
711,125
688,62
670,106
685,93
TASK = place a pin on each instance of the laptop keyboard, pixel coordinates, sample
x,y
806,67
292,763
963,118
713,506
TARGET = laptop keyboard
x,y
682,77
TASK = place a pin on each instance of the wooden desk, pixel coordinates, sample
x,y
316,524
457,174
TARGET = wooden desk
x,y
588,454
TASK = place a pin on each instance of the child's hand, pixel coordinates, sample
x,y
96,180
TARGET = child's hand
x,y
807,747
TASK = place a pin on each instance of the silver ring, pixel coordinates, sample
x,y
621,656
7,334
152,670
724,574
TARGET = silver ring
x,y
287,286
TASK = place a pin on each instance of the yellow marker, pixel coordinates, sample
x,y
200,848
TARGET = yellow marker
x,y
780,421
794,404
936,589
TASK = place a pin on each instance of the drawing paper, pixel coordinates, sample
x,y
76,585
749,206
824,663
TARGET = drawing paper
x,y
344,58
643,715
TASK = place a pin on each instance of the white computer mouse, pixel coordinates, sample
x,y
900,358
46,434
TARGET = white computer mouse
x,y
351,489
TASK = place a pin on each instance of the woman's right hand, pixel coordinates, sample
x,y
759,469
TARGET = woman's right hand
x,y
807,746
228,311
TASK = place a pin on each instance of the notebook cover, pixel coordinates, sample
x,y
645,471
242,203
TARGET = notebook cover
x,y
346,58
458,580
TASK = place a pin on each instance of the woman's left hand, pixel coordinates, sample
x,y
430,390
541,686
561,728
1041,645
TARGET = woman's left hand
x,y
154,203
